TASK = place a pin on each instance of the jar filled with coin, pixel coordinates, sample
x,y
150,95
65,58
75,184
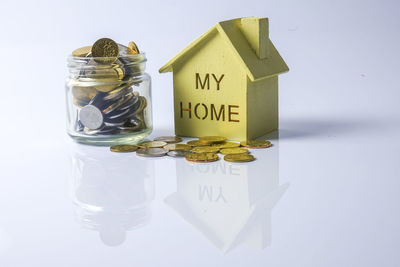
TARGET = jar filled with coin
x,y
108,94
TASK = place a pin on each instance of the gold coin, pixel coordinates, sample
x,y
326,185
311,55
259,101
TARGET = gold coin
x,y
195,143
105,79
105,51
152,144
172,147
256,143
123,148
82,51
115,72
169,139
204,149
201,157
133,49
239,157
234,150
83,93
208,140
226,145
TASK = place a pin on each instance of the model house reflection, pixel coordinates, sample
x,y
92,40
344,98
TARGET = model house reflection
x,y
229,203
112,195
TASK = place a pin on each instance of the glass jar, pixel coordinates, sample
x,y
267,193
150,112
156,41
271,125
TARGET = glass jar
x,y
108,100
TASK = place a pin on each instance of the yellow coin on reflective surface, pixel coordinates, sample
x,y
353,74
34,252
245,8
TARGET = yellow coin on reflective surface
x,y
208,140
195,143
239,157
202,157
105,51
123,148
234,150
204,149
226,145
169,139
173,147
149,144
256,143
82,51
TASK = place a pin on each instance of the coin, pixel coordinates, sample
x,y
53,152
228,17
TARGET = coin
x,y
178,153
172,147
133,49
226,145
169,139
123,148
203,149
201,157
256,143
82,51
239,157
234,150
195,143
116,73
151,152
150,144
105,51
91,117
208,140
83,93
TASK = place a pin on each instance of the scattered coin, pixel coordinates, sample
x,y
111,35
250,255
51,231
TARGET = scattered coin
x,y
195,143
226,145
169,139
151,152
82,51
150,144
202,157
173,147
177,153
91,117
204,149
256,143
234,150
239,157
105,51
208,140
123,148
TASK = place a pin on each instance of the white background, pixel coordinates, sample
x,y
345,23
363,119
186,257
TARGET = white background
x,y
338,148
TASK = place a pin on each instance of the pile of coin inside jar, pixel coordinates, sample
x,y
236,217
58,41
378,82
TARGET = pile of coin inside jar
x,y
204,149
103,89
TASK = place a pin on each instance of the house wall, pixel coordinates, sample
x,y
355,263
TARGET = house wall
x,y
213,111
262,106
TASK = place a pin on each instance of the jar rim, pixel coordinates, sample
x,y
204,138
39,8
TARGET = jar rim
x,y
140,57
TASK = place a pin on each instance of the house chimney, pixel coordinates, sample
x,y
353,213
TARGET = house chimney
x,y
257,34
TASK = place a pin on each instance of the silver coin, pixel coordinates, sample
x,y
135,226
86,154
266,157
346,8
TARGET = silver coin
x,y
91,117
151,152
178,153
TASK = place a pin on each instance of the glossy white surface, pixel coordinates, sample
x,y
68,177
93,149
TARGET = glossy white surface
x,y
326,194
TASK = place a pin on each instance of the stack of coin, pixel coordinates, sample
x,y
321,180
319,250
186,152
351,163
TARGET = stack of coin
x,y
203,150
103,89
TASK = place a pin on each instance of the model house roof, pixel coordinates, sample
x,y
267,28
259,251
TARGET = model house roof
x,y
249,41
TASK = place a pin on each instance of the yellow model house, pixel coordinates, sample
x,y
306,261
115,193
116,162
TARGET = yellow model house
x,y
226,82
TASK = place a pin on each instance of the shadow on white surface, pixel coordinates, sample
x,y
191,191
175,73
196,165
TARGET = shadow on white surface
x,y
111,194
229,203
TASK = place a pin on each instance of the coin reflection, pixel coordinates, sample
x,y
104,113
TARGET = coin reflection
x,y
230,203
111,194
